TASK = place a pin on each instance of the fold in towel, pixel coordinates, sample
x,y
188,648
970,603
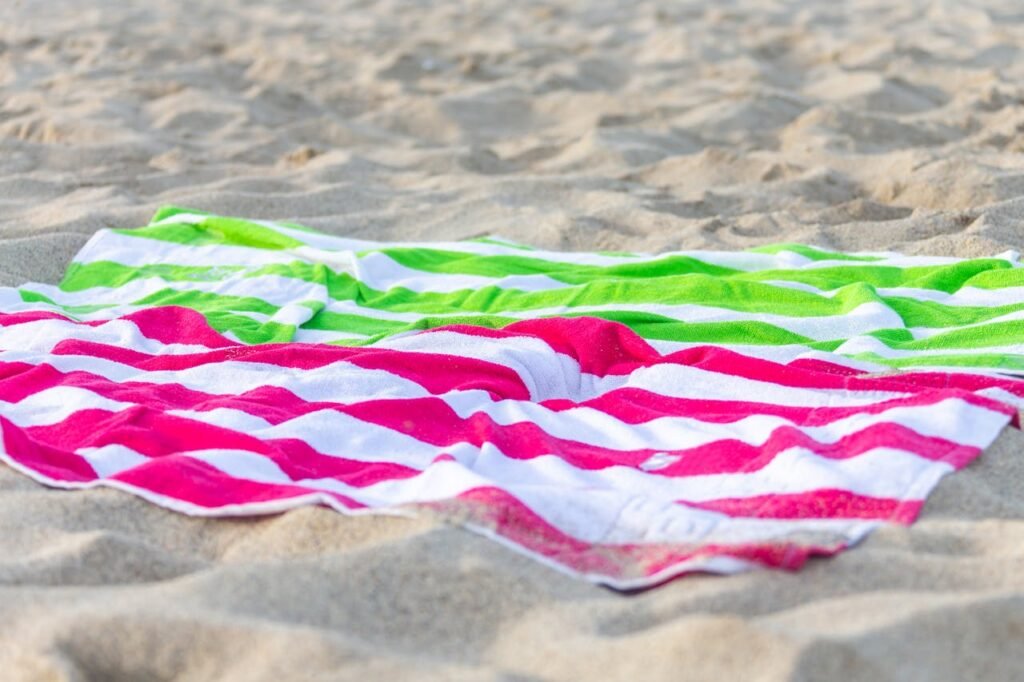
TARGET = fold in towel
x,y
622,417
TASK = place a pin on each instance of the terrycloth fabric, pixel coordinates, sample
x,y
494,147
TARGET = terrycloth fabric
x,y
625,418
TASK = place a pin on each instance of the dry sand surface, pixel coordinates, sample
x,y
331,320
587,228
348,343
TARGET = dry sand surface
x,y
639,125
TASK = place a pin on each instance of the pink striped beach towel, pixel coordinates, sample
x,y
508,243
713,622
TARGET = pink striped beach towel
x,y
586,442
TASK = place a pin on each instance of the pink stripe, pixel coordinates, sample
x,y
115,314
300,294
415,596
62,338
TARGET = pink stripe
x,y
636,406
156,435
175,324
816,504
24,317
601,347
724,361
182,478
53,462
435,372
930,379
962,381
819,365
733,456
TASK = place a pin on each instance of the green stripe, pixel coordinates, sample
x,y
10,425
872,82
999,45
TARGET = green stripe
x,y
497,241
981,336
248,330
82,276
813,253
458,263
945,278
990,361
917,313
165,212
217,231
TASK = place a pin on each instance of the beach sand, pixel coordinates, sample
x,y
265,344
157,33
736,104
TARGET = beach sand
x,y
626,125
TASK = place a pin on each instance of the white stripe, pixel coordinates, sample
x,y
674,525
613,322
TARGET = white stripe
x,y
869,344
42,336
110,460
378,271
293,314
863,319
324,336
778,354
964,296
343,383
136,251
1004,396
39,306
272,289
54,405
944,419
682,381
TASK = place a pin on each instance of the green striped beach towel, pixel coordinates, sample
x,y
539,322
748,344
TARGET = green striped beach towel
x,y
261,282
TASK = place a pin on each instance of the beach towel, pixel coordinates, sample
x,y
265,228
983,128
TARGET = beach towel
x,y
622,417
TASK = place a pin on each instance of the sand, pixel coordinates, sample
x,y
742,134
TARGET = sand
x,y
626,125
